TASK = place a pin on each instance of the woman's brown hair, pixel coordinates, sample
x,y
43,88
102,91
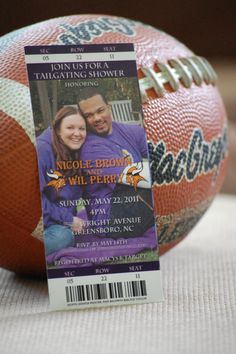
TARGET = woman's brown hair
x,y
62,152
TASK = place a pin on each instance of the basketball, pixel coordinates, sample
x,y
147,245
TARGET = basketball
x,y
184,119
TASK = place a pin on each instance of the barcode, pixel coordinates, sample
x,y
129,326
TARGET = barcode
x,y
118,290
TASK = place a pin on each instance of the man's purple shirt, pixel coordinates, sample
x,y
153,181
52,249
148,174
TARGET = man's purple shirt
x,y
98,147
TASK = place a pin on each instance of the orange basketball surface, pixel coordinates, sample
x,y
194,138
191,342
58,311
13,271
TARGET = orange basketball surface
x,y
184,117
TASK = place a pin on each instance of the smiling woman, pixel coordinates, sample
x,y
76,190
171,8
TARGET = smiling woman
x,y
73,131
62,142
69,132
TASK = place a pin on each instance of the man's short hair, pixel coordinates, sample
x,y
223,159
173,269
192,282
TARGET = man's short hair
x,y
89,92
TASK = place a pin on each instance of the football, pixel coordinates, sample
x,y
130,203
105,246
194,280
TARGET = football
x,y
184,118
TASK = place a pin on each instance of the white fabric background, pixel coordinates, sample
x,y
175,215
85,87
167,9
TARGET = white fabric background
x,y
198,315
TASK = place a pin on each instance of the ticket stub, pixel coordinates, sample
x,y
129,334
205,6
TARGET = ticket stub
x,y
100,236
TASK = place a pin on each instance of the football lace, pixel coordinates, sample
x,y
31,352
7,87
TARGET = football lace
x,y
175,72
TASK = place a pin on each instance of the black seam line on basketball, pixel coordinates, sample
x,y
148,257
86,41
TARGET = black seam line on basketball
x,y
186,71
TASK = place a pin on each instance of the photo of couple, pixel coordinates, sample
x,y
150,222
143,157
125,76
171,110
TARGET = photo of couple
x,y
117,220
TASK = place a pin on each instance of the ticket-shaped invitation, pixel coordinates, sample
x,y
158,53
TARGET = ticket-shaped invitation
x,y
100,234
